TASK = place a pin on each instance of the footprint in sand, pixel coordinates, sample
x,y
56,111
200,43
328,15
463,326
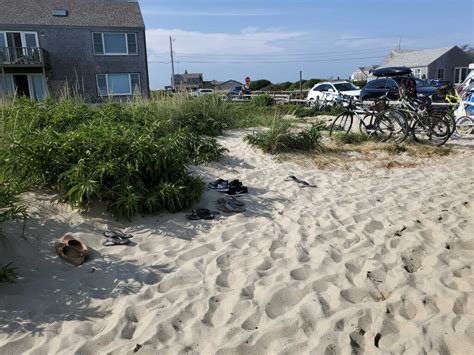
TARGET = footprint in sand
x,y
282,301
408,309
251,323
301,274
354,295
413,260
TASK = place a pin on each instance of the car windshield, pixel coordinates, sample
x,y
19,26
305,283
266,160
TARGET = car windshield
x,y
421,83
345,87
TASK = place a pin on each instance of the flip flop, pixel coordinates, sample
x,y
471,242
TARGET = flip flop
x,y
111,241
72,250
111,233
70,255
232,200
202,213
300,182
228,207
72,242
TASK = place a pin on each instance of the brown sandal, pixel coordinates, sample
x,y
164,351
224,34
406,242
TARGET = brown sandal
x,y
72,250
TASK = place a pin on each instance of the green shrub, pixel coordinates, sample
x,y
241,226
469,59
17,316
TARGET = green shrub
x,y
280,139
135,157
279,87
262,100
7,273
257,85
10,208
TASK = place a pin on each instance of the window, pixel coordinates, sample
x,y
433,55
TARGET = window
x,y
391,84
376,84
60,12
460,74
345,87
118,84
440,75
115,43
417,73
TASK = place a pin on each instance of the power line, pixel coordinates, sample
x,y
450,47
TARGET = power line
x,y
268,62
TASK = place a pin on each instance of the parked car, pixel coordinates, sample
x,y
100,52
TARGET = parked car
x,y
203,92
330,91
379,87
236,90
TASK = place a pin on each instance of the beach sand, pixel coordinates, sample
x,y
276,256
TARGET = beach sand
x,y
372,260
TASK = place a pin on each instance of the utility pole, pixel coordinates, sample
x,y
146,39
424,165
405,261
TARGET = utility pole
x,y
172,64
400,43
301,82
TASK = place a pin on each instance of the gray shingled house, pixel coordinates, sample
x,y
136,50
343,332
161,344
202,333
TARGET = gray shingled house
x,y
95,47
188,81
451,63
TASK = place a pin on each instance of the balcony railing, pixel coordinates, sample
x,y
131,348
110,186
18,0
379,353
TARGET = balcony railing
x,y
23,56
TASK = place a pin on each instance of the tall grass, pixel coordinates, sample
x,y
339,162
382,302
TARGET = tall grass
x,y
133,156
280,137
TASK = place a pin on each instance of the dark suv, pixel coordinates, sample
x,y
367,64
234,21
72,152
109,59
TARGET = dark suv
x,y
379,87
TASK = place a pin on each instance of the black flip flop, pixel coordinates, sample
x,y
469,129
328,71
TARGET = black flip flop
x,y
202,213
115,233
111,241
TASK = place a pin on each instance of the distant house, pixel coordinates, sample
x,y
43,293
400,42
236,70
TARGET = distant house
x,y
188,81
451,63
96,47
226,85
363,73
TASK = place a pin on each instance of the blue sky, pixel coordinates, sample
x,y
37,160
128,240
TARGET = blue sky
x,y
276,39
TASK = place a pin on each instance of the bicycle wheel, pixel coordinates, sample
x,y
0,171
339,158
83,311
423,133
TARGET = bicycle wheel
x,y
342,123
366,124
465,126
432,131
392,126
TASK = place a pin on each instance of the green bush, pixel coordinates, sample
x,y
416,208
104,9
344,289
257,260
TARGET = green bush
x,y
135,157
257,85
279,87
7,273
262,100
280,139
10,208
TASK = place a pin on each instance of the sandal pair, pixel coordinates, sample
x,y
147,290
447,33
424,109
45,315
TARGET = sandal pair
x,y
72,250
116,237
230,205
202,213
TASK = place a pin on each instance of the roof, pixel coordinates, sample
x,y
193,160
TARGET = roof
x,y
189,75
94,13
419,58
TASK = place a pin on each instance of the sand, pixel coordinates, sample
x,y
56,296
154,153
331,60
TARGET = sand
x,y
373,260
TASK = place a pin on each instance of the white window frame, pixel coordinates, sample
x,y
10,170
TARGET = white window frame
x,y
22,35
417,72
107,84
125,34
458,79
31,87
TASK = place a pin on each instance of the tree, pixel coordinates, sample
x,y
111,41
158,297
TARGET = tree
x,y
259,84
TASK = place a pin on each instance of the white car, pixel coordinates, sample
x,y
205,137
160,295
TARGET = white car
x,y
330,91
202,92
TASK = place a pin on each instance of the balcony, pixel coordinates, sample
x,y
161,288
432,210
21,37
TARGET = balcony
x,y
23,57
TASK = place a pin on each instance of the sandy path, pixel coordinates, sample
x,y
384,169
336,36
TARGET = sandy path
x,y
380,258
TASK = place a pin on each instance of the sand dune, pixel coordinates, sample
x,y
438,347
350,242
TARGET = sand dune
x,y
371,261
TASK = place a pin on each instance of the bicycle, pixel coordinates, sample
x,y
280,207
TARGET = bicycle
x,y
384,124
427,125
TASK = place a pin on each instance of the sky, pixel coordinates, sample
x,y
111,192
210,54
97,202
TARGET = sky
x,y
276,39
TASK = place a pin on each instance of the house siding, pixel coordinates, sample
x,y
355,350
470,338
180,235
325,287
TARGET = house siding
x,y
449,61
73,61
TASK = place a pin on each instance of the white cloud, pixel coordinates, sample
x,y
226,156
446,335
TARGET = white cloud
x,y
250,41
